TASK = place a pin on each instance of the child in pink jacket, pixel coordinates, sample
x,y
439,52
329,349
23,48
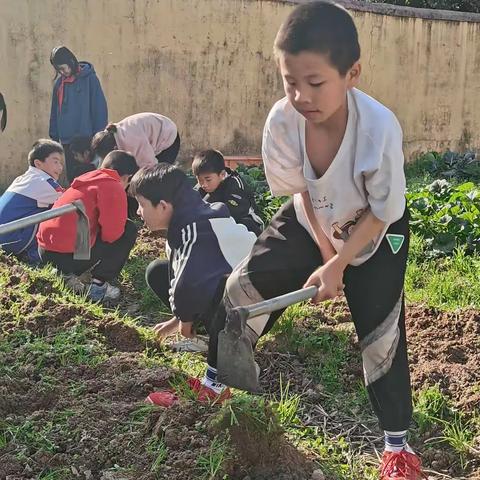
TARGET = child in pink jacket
x,y
150,137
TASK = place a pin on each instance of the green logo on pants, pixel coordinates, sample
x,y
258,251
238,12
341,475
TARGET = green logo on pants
x,y
395,241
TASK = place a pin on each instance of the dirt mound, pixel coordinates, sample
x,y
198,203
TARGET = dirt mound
x,y
150,243
445,350
259,448
121,336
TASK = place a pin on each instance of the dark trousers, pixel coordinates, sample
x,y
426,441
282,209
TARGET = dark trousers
x,y
157,276
169,155
71,166
107,259
282,259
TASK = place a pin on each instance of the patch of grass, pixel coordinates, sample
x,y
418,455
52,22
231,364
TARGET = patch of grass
x,y
152,357
429,405
432,409
56,474
191,364
33,435
211,464
134,274
287,405
75,345
446,283
336,457
138,417
326,355
159,450
286,324
459,433
245,409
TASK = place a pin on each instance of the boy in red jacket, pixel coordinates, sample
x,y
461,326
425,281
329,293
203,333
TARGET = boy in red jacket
x,y
112,236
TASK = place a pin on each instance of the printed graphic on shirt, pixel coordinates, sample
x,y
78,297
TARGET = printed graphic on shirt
x,y
343,232
395,241
321,203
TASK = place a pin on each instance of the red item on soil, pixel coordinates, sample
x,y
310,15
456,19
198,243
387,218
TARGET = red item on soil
x,y
168,398
401,466
165,398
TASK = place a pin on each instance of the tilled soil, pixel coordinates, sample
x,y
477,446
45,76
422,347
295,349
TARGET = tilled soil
x,y
445,350
92,421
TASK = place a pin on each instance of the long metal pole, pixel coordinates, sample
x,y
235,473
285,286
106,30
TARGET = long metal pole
x,y
82,241
277,303
37,218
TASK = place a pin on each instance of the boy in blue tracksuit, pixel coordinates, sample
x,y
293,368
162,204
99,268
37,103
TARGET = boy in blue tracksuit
x,y
33,192
204,244
79,107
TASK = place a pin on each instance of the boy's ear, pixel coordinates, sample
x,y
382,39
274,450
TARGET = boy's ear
x,y
223,174
354,74
37,163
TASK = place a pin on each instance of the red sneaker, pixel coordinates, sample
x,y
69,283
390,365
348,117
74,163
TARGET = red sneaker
x,y
401,466
167,398
207,395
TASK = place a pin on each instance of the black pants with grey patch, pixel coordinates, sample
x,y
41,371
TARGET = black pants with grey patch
x,y
282,259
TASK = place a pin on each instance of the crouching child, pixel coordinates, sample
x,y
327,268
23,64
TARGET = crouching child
x,y
33,192
218,183
112,236
204,244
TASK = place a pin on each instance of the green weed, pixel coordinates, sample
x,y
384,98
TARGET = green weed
x,y
429,406
158,449
56,474
210,465
134,275
460,434
446,283
286,324
76,345
287,405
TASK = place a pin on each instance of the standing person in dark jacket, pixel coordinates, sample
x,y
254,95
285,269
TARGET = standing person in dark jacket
x,y
78,103
218,183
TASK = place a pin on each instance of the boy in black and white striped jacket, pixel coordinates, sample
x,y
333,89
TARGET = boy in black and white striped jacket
x,y
204,244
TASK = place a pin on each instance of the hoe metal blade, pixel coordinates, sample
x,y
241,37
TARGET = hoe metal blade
x,y
236,365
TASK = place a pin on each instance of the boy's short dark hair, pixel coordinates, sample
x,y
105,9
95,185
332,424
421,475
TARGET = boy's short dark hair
x,y
159,182
80,144
122,162
208,161
42,148
321,27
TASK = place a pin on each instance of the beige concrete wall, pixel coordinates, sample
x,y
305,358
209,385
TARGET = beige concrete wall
x,y
208,65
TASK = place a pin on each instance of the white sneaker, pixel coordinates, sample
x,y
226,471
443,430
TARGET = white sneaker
x,y
112,292
195,344
99,293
